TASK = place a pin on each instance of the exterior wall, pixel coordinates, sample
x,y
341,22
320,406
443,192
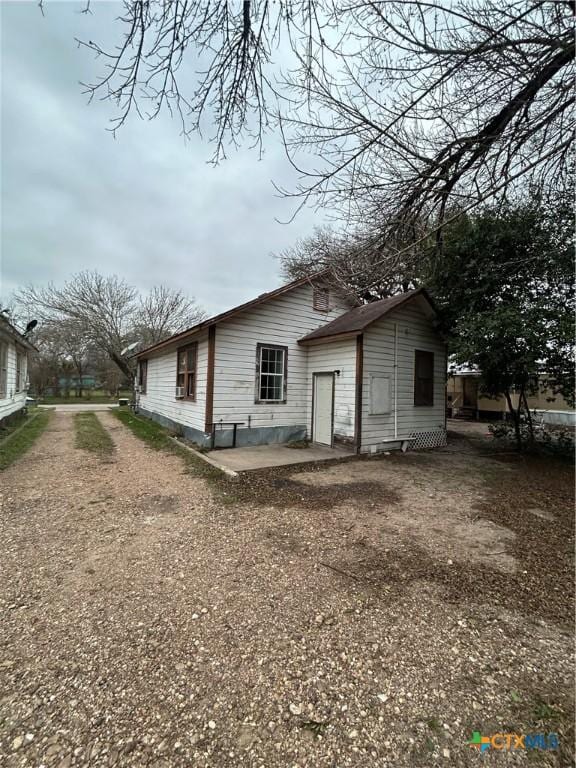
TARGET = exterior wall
x,y
282,321
159,399
553,409
328,357
14,401
414,332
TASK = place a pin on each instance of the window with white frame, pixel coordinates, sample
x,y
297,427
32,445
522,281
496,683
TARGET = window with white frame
x,y
271,373
3,369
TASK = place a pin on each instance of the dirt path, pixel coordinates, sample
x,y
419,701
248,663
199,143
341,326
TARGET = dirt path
x,y
146,622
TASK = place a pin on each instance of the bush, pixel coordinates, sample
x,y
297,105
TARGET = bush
x,y
548,438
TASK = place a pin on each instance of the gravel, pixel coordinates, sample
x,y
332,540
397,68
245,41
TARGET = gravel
x,y
147,623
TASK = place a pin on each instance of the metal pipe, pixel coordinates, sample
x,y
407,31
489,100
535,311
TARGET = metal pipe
x,y
395,381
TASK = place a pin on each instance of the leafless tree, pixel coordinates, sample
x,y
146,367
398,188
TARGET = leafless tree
x,y
109,313
358,266
162,312
405,106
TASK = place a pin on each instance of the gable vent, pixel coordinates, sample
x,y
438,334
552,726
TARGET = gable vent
x,y
321,299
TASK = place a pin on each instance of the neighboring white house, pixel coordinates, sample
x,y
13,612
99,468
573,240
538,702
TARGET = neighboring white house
x,y
302,362
14,350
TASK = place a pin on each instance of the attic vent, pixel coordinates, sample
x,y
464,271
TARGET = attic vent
x,y
321,299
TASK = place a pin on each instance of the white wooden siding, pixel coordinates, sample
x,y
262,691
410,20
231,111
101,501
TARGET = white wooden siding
x,y
13,401
161,386
414,332
334,356
281,320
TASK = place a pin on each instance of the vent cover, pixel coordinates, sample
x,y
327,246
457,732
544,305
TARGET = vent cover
x,y
321,299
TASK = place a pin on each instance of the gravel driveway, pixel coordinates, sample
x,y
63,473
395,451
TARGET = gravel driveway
x,y
148,620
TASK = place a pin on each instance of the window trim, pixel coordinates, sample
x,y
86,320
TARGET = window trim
x,y
423,353
143,375
185,348
20,372
259,347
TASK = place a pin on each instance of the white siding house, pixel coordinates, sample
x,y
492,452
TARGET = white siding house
x,y
302,362
14,350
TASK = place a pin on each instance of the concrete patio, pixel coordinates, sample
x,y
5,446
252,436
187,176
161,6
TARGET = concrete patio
x,y
266,456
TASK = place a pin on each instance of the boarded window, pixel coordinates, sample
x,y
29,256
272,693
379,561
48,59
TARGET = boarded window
x,y
3,369
142,376
186,371
321,299
379,395
423,377
271,362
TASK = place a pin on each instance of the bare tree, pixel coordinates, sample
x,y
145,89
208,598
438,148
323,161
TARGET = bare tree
x,y
162,312
401,105
108,313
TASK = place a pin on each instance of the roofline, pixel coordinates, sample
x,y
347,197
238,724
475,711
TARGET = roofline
x,y
183,335
18,337
407,297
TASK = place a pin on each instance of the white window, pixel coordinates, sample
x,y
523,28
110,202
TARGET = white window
x,y
271,362
3,369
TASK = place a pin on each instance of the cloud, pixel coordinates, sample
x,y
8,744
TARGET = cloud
x,y
146,205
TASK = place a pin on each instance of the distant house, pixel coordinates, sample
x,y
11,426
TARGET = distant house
x,y
466,400
14,351
303,362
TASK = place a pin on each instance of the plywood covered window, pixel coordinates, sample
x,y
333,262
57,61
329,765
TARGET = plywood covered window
x,y
186,372
271,373
321,298
423,377
3,369
142,376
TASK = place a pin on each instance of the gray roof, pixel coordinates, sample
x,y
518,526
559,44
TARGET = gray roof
x,y
359,318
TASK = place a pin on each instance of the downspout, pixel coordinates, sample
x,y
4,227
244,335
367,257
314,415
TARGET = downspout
x,y
395,381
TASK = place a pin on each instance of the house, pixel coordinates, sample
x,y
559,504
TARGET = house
x,y
303,362
14,351
465,399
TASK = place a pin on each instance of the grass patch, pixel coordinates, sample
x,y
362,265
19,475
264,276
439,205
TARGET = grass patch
x,y
23,437
91,435
96,397
158,438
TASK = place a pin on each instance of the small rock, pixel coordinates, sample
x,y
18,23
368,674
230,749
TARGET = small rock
x,y
446,752
383,697
296,709
211,724
353,734
195,616
17,743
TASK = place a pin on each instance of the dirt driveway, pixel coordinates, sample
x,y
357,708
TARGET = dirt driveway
x,y
372,613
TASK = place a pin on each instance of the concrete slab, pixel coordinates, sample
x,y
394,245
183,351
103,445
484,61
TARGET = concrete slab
x,y
80,407
265,456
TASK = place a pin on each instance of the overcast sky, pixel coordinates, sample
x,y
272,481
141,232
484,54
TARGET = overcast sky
x,y
146,205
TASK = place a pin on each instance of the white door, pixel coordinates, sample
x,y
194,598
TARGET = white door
x,y
323,408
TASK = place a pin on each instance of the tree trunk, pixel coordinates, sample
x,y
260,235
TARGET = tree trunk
x,y
515,413
123,364
528,415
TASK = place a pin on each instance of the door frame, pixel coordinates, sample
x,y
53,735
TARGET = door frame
x,y
315,374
